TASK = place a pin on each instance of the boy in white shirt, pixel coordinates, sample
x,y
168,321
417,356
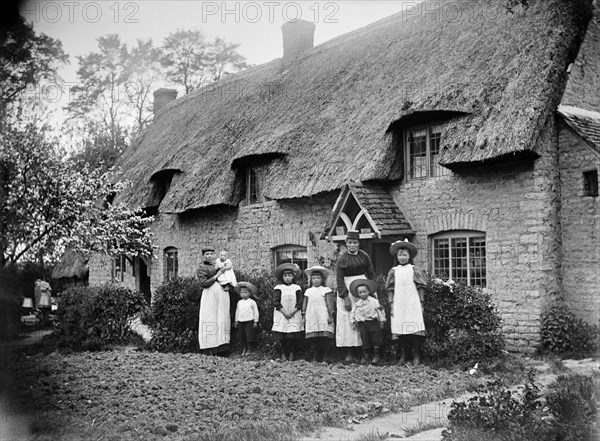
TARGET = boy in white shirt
x,y
246,317
369,316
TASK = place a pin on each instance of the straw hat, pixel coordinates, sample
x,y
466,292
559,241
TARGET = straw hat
x,y
295,269
249,286
403,245
324,271
372,285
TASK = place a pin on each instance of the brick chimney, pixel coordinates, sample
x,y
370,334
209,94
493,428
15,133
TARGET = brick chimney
x,y
298,36
162,97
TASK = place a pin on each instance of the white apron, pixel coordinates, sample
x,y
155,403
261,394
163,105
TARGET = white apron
x,y
288,304
408,313
215,323
345,336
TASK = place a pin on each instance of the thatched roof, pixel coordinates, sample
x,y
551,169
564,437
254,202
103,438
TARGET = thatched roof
x,y
583,87
327,114
71,265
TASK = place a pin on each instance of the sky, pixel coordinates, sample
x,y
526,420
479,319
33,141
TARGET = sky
x,y
254,25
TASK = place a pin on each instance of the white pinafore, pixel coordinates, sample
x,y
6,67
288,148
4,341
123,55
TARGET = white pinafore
x,y
408,313
214,327
345,336
288,304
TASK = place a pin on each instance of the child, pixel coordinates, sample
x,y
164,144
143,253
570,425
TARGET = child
x,y
318,309
227,279
406,289
368,315
246,317
287,317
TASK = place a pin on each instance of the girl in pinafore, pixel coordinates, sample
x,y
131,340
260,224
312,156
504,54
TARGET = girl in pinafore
x,y
287,318
318,309
406,285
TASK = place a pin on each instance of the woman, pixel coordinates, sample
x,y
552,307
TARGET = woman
x,y
353,264
406,289
214,317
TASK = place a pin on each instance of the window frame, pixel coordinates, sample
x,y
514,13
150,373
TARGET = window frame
x,y
260,172
119,268
292,248
430,166
461,234
166,252
590,189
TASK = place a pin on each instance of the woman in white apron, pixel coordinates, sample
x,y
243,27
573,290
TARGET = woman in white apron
x,y
214,326
351,265
406,285
288,327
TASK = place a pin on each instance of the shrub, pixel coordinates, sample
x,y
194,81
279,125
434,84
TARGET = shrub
x,y
90,318
499,414
571,412
462,323
563,332
574,401
173,315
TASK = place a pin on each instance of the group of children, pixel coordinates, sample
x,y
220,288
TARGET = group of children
x,y
309,314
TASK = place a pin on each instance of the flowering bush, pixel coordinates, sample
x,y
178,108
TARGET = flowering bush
x,y
462,323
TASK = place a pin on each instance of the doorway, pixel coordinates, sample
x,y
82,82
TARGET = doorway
x,y
143,279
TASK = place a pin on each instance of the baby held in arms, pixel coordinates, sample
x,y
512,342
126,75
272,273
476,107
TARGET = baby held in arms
x,y
227,279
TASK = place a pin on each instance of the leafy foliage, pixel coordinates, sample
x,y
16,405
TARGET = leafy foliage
x,y
462,323
505,414
173,315
574,402
90,318
572,405
48,201
26,59
192,62
563,332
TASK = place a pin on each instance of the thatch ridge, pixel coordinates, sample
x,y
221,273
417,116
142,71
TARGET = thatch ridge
x,y
328,112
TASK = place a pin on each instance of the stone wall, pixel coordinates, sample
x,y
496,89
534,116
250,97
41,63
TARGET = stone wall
x,y
580,227
516,205
249,234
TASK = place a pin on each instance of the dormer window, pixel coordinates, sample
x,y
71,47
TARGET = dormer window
x,y
422,151
161,184
255,184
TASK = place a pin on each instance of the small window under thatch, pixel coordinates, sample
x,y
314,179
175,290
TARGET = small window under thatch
x,y
171,263
161,184
255,180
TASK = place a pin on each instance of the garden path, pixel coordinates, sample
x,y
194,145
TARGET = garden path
x,y
434,413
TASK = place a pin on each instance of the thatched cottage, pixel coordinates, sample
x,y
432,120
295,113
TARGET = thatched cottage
x,y
472,131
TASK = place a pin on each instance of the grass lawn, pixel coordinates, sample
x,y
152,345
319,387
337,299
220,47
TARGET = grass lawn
x,y
131,394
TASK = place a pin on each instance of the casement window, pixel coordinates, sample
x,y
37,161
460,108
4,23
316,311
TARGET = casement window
x,y
291,254
590,183
170,263
255,184
422,151
460,256
119,267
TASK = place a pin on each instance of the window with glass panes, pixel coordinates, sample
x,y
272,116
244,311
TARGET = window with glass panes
x,y
423,152
119,268
171,263
291,254
460,256
255,182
